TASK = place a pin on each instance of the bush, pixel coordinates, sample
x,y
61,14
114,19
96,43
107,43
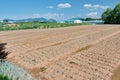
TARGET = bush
x,y
3,77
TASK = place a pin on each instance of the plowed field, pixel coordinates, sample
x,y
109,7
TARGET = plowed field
x,y
76,53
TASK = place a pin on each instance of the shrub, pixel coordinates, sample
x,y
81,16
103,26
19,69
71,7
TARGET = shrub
x,y
3,77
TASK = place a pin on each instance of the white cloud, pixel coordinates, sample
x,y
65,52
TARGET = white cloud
x,y
64,5
95,6
50,7
87,5
92,14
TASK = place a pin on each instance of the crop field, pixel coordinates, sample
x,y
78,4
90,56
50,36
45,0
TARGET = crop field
x,y
89,52
35,25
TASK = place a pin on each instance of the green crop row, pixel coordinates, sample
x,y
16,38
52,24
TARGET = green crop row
x,y
36,25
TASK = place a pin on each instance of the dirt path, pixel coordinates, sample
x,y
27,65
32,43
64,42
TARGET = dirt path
x,y
76,53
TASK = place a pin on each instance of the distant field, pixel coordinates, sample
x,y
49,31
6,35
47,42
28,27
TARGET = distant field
x,y
35,25
90,52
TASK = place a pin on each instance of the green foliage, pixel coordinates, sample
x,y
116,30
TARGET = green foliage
x,y
9,71
112,16
36,25
89,19
5,21
106,15
3,77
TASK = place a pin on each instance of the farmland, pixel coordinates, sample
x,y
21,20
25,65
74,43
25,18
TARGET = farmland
x,y
35,25
90,52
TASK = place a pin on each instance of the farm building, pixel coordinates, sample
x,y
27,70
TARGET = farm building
x,y
77,21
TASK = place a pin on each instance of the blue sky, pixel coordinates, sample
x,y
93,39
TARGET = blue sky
x,y
56,9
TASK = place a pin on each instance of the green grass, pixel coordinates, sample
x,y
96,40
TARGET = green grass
x,y
36,25
3,77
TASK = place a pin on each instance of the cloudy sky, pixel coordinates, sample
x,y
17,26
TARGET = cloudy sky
x,y
56,9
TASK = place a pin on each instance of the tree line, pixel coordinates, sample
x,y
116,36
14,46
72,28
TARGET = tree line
x,y
112,16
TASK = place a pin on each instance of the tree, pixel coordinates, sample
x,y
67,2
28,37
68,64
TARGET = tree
x,y
88,19
5,21
106,15
112,16
116,12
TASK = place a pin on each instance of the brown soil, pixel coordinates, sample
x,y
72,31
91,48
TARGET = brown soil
x,y
76,53
116,74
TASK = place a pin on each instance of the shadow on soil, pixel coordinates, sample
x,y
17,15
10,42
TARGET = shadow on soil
x,y
116,74
3,53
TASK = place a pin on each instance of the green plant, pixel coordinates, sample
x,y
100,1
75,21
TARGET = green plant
x,y
36,25
3,77
13,72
